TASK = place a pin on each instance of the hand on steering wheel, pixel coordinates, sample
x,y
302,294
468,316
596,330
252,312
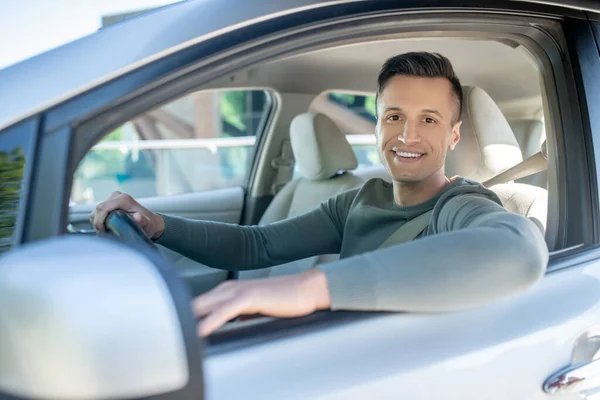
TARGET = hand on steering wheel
x,y
121,225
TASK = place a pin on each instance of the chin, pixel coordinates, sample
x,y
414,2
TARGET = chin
x,y
406,178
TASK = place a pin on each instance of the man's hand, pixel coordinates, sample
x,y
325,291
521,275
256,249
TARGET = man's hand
x,y
286,296
151,223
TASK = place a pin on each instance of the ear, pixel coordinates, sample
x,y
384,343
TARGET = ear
x,y
455,137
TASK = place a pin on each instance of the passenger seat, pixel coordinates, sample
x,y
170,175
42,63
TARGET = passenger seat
x,y
487,147
325,160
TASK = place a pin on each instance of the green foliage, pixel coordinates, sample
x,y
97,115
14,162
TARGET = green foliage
x,y
370,105
12,168
114,136
347,99
100,164
233,108
357,103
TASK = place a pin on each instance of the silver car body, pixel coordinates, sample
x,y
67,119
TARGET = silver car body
x,y
505,350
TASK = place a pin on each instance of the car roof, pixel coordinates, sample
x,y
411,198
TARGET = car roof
x,y
42,81
39,82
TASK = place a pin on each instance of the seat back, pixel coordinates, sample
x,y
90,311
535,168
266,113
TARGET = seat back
x,y
325,160
487,147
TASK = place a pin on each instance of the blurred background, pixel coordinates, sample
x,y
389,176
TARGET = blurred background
x,y
30,27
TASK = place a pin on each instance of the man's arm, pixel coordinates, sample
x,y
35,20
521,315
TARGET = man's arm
x,y
236,248
480,253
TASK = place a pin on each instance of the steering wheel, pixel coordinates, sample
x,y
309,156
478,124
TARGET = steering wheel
x,y
120,225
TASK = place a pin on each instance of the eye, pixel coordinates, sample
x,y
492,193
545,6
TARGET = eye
x,y
429,120
393,118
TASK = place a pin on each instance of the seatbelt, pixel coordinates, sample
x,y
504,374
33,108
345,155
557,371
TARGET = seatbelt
x,y
409,230
534,164
414,227
283,166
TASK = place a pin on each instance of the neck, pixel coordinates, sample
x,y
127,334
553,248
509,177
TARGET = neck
x,y
412,193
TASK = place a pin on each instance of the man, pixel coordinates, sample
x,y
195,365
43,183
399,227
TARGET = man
x,y
471,252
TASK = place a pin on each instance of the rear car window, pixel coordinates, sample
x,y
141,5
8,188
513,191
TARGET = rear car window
x,y
202,141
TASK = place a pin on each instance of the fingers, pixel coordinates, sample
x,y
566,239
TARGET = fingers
x,y
204,304
220,305
219,315
93,214
117,200
114,194
284,297
138,218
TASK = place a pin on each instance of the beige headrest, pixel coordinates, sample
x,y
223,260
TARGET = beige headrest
x,y
487,143
320,147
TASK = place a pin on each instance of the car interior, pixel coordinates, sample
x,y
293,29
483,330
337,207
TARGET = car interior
x,y
310,141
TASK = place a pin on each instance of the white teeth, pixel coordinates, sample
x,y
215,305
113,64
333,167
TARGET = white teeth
x,y
406,154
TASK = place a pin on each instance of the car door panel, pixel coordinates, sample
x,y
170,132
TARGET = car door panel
x,y
223,205
504,350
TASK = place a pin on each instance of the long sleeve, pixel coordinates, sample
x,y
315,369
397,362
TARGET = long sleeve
x,y
237,248
500,254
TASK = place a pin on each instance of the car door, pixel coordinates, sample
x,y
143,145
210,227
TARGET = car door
x,y
503,350
538,345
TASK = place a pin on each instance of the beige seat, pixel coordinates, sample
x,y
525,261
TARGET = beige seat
x,y
531,135
325,159
487,147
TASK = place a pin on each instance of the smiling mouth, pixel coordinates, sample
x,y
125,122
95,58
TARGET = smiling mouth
x,y
406,155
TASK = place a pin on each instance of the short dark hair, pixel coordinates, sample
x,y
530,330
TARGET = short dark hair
x,y
421,64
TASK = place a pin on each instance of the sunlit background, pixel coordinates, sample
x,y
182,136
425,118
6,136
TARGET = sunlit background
x,y
30,27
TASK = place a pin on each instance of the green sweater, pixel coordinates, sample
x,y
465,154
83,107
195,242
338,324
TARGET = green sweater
x,y
472,252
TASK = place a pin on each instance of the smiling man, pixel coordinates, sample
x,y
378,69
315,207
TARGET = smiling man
x,y
469,251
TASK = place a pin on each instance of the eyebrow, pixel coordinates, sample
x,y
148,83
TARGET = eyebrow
x,y
436,112
427,110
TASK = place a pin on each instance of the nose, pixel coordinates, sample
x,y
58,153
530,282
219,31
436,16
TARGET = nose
x,y
410,134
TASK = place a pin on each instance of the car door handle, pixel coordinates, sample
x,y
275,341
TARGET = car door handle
x,y
574,378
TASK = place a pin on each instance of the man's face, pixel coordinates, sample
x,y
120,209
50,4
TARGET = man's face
x,y
416,127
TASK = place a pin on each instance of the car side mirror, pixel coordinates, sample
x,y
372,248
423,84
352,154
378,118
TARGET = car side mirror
x,y
89,318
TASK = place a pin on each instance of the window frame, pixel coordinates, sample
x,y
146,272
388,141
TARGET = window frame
x,y
505,26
